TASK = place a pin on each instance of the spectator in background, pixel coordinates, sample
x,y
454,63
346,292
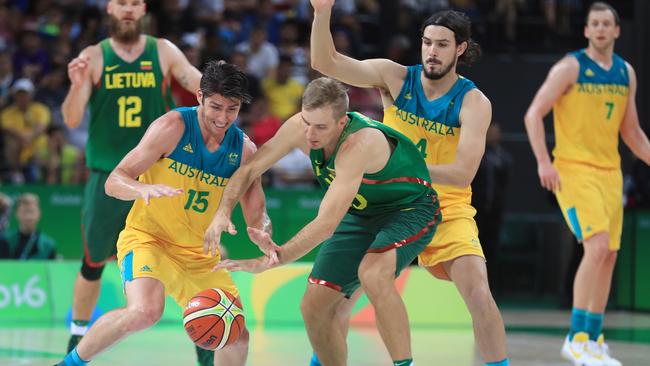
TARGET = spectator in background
x,y
283,92
6,78
489,192
262,124
61,162
240,60
5,210
291,44
28,242
31,59
294,171
24,123
52,92
262,56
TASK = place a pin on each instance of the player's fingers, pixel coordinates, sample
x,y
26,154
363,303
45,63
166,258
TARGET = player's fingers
x,y
273,258
232,230
206,242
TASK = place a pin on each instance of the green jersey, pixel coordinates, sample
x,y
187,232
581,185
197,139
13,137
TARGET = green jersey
x,y
128,97
403,180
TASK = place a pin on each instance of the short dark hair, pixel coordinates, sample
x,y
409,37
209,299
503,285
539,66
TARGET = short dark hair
x,y
461,25
603,6
220,77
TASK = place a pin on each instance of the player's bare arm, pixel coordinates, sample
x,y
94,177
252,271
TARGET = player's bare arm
x,y
173,59
365,151
475,117
372,73
631,131
281,144
559,80
82,72
253,205
158,142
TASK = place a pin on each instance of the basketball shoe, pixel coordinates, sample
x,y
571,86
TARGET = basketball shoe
x,y
601,351
578,350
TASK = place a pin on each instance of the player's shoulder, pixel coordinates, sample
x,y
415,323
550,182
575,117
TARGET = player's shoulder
x,y
93,51
567,66
475,98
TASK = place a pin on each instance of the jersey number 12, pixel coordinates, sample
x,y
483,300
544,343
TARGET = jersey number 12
x,y
129,108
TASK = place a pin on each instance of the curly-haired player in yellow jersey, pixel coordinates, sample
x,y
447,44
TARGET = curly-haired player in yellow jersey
x,y
591,92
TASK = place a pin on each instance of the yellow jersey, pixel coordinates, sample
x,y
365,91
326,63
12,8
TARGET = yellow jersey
x,y
587,119
182,220
434,127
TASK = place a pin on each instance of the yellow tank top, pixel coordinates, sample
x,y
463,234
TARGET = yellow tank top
x,y
434,127
587,119
181,220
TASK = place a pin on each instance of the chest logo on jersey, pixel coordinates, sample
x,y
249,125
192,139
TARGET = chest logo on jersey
x,y
427,125
598,89
188,148
191,172
233,158
122,80
146,65
359,202
589,73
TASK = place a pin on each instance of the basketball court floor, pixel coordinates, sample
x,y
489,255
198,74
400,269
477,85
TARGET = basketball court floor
x,y
534,339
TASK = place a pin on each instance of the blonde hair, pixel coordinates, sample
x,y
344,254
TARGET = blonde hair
x,y
28,199
324,92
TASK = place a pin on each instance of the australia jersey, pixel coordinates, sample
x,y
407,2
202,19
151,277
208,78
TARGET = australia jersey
x,y
182,220
127,98
404,178
588,117
434,127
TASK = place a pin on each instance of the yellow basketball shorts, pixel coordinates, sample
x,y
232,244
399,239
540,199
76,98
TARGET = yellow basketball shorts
x,y
454,238
591,200
184,273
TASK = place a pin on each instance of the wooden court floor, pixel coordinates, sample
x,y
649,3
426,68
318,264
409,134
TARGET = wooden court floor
x,y
534,339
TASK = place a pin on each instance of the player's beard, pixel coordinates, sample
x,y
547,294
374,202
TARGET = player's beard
x,y
433,75
123,33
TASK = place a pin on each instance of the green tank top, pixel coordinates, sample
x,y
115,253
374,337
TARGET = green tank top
x,y
404,179
128,97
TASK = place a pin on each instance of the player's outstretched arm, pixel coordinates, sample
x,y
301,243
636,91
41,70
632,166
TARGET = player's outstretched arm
x,y
181,69
287,137
159,141
373,73
253,205
475,117
561,77
631,131
80,71
351,162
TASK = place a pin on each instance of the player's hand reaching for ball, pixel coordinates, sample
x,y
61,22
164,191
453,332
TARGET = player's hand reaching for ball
x,y
263,240
149,191
320,5
255,265
212,237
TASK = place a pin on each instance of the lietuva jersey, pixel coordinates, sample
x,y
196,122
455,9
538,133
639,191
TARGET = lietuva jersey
x,y
587,118
127,98
404,179
434,127
182,220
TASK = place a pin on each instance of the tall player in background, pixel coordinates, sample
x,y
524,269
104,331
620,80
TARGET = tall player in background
x,y
592,94
447,118
124,80
184,163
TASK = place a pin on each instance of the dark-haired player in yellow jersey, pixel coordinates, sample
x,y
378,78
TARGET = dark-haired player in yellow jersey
x,y
447,118
592,94
175,177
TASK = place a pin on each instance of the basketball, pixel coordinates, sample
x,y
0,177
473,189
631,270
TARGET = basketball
x,y
213,319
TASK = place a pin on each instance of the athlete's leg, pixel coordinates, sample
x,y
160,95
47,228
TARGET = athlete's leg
x,y
593,278
145,298
377,276
318,307
469,274
235,354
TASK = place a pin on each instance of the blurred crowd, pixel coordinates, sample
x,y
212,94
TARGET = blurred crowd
x,y
269,39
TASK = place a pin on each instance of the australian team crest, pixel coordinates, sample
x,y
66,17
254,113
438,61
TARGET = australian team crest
x,y
232,158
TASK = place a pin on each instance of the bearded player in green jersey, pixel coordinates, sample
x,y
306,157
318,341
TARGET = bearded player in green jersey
x,y
125,81
378,214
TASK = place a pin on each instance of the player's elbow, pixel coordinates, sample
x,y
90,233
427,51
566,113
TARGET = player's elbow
x,y
110,186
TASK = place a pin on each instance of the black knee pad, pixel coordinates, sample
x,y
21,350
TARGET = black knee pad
x,y
91,273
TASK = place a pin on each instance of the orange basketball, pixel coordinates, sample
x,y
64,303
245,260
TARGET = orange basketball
x,y
213,319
